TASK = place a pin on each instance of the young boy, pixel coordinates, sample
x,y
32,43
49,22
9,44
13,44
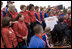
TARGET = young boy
x,y
46,37
21,30
36,41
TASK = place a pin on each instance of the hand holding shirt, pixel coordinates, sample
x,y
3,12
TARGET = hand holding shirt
x,y
51,21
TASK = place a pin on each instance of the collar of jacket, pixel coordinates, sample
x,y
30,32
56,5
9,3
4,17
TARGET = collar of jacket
x,y
20,21
39,36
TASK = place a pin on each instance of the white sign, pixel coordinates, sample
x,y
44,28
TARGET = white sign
x,y
51,21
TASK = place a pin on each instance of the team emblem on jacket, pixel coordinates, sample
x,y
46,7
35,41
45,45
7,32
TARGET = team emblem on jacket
x,y
10,32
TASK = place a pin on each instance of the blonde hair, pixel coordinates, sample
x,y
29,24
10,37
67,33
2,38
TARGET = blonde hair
x,y
10,7
47,29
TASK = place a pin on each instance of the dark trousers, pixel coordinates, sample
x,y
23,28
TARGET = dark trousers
x,y
31,27
29,32
60,37
54,37
21,44
43,25
68,34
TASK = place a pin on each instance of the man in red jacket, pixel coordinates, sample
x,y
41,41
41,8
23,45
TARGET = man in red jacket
x,y
8,34
21,30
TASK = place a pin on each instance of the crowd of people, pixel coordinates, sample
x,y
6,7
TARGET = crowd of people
x,y
28,29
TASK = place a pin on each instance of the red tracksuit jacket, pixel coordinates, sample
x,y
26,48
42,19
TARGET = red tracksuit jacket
x,y
32,16
26,16
43,16
13,15
20,30
9,37
2,46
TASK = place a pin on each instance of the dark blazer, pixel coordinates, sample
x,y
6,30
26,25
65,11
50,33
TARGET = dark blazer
x,y
59,28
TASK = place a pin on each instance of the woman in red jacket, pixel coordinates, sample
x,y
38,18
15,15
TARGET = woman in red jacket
x,y
33,19
11,12
24,11
32,13
8,34
21,30
25,14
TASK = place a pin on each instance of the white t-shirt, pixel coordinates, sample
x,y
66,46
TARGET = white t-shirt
x,y
51,21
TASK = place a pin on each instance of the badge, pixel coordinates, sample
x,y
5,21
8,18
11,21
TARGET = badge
x,y
10,32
